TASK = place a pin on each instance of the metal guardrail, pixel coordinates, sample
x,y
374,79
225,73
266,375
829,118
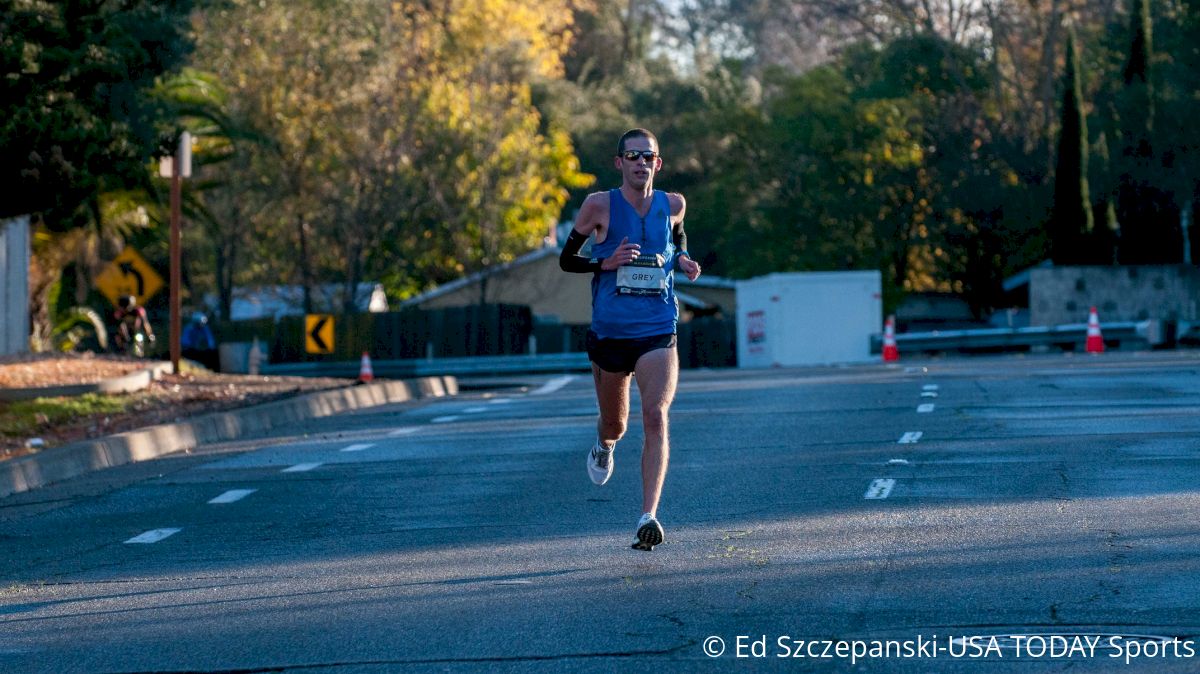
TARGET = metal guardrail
x,y
1070,335
1144,333
426,367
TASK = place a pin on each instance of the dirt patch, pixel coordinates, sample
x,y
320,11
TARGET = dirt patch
x,y
172,398
39,370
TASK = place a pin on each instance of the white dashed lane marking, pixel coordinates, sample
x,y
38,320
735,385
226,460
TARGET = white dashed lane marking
x,y
925,408
300,468
929,387
357,448
233,495
880,488
500,401
910,438
474,410
553,385
929,394
153,536
402,431
445,419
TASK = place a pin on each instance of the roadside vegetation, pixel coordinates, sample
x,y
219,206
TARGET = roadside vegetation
x,y
24,419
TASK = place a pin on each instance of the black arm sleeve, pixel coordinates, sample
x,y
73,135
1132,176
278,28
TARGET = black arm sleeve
x,y
569,260
679,237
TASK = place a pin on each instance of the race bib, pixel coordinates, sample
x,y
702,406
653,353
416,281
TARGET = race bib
x,y
645,276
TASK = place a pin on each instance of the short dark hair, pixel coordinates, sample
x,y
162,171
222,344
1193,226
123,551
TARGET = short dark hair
x,y
635,133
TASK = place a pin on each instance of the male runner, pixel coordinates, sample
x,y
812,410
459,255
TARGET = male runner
x,y
639,242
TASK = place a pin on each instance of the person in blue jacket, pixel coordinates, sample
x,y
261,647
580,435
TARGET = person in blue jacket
x,y
197,342
639,243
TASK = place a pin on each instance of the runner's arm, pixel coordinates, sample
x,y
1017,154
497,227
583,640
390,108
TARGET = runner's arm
x,y
570,260
679,238
593,217
683,259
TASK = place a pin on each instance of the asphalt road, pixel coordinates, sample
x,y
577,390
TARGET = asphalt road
x,y
1040,514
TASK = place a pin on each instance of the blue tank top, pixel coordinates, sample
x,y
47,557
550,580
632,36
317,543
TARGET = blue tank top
x,y
616,314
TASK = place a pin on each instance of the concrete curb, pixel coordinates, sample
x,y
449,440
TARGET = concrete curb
x,y
134,381
60,463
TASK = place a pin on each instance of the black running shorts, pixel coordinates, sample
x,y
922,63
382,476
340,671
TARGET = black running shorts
x,y
621,355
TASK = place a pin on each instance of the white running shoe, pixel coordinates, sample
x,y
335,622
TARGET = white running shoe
x,y
649,533
600,463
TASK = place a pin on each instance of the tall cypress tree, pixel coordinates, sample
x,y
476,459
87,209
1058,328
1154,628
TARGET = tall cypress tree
x,y
1149,225
1137,67
1175,124
1102,185
1071,218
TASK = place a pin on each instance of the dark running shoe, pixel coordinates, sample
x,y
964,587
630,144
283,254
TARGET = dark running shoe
x,y
649,533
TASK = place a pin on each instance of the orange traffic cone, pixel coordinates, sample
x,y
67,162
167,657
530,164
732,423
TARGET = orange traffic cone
x,y
364,372
1095,343
890,352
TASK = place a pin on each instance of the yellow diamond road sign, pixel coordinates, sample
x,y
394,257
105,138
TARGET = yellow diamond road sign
x,y
129,274
318,333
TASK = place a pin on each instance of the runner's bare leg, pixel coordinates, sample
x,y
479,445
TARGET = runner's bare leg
x,y
656,372
612,395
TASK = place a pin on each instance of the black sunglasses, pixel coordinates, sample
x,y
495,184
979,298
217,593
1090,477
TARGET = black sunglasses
x,y
632,155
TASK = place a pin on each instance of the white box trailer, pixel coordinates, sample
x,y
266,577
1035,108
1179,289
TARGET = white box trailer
x,y
808,318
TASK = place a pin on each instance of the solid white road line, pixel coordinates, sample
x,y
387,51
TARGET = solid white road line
x,y
925,408
357,448
402,431
445,419
880,488
300,468
153,536
553,385
233,495
910,438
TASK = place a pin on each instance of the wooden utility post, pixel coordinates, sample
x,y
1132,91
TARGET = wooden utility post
x,y
181,167
176,323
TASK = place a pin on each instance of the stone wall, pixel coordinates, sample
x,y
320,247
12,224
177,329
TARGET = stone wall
x,y
1060,295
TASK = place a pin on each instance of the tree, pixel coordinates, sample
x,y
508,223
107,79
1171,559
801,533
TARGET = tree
x,y
610,39
223,194
401,140
76,119
78,125
918,137
1071,218
1149,224
1177,104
